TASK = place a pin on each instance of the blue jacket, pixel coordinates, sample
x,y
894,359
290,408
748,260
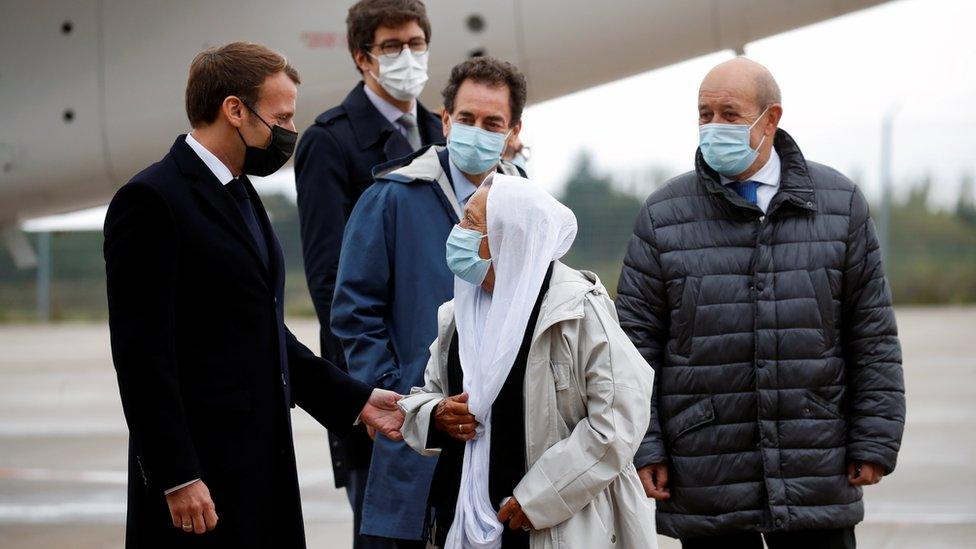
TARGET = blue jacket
x,y
392,278
333,166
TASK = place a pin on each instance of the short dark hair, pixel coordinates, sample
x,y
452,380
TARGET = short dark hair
x,y
366,16
237,69
493,72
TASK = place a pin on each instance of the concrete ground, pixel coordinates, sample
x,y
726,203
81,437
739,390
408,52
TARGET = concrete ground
x,y
63,443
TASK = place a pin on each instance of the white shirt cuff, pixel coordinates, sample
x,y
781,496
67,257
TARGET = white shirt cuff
x,y
184,485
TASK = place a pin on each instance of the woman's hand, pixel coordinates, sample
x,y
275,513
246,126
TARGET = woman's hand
x,y
453,417
512,512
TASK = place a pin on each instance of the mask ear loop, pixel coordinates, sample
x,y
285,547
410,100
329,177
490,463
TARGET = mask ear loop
x,y
256,114
762,114
239,134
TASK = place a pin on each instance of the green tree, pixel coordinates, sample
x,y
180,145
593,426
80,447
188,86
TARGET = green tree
x,y
966,204
605,217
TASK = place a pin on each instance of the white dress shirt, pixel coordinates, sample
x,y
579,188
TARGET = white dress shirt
x,y
390,111
219,169
768,179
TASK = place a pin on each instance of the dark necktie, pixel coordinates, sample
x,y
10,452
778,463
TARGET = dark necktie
x,y
409,123
746,189
243,201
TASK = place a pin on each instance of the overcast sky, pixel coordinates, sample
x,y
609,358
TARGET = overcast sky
x,y
838,78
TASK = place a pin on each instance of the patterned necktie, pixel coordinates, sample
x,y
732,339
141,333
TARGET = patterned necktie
x,y
409,123
243,201
746,189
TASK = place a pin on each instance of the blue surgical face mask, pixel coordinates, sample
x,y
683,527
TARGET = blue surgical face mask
x,y
462,255
725,147
474,150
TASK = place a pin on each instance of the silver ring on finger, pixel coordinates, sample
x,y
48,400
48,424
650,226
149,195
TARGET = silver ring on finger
x,y
187,527
460,428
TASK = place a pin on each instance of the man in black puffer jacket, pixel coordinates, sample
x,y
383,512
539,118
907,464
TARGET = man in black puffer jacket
x,y
754,287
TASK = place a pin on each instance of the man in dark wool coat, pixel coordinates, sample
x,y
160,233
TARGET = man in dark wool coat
x,y
754,287
207,370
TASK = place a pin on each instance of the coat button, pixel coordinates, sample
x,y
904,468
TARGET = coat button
x,y
760,363
760,286
779,522
613,538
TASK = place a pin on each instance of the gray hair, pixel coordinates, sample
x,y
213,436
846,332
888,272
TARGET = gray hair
x,y
767,90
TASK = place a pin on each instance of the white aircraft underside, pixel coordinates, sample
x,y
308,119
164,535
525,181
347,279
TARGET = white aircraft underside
x,y
91,91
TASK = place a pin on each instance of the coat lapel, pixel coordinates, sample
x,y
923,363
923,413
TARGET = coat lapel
x,y
370,127
396,145
446,185
206,185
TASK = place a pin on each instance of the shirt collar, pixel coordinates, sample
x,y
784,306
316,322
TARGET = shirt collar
x,y
219,169
463,188
767,175
387,109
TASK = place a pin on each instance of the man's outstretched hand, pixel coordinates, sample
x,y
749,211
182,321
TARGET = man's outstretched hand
x,y
382,414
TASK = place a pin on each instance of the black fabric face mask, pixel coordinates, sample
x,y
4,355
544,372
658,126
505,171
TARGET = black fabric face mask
x,y
263,162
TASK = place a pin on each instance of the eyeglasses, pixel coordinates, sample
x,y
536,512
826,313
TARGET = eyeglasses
x,y
392,48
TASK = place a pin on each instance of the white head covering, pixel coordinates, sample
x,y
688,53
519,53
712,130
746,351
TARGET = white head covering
x,y
527,230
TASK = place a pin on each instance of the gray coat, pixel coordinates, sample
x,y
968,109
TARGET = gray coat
x,y
775,348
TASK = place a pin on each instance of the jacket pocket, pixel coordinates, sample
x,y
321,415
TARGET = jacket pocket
x,y
698,414
686,314
823,405
561,373
825,304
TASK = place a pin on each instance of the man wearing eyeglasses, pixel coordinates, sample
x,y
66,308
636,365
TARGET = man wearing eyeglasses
x,y
380,120
393,274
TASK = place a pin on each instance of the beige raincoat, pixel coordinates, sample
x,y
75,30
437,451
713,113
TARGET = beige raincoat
x,y
587,406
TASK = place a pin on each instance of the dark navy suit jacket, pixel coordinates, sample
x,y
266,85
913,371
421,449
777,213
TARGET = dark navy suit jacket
x,y
207,369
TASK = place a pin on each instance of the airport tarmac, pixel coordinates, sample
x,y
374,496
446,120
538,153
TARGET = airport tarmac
x,y
63,443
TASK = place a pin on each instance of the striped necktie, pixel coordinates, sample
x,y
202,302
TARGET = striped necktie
x,y
746,189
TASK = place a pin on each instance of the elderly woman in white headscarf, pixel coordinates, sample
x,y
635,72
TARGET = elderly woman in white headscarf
x,y
534,397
